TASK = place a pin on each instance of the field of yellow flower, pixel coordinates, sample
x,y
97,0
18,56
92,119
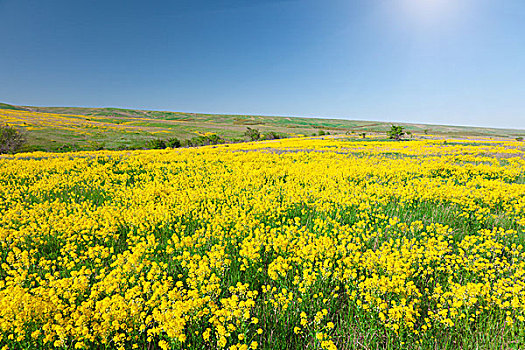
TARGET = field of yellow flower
x,y
298,244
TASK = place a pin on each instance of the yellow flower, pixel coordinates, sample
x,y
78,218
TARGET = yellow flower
x,y
163,344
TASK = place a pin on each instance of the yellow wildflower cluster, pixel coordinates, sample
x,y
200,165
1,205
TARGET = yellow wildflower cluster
x,y
293,243
77,124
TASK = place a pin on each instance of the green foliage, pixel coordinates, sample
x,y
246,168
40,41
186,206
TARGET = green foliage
x,y
363,134
156,144
396,132
322,133
203,140
11,139
519,138
214,139
252,134
173,142
272,135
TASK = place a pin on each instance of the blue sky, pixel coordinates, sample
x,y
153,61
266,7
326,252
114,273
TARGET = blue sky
x,y
458,62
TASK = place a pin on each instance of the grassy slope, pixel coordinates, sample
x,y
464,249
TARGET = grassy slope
x,y
115,127
8,106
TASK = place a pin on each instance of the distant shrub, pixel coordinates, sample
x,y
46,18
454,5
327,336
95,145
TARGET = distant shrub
x,y
214,139
321,133
11,139
519,138
272,135
190,142
363,134
173,142
252,134
156,144
203,140
396,132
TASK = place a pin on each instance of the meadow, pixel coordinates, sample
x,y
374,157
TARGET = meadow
x,y
62,129
306,243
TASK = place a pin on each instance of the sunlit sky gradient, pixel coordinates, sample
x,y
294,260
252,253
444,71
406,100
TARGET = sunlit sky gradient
x,y
456,62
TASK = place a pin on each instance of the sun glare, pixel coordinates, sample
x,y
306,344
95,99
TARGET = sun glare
x,y
430,12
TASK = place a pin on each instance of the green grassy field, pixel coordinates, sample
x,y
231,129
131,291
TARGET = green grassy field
x,y
76,128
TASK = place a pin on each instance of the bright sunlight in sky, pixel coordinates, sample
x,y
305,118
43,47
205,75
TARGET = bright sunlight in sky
x,y
431,12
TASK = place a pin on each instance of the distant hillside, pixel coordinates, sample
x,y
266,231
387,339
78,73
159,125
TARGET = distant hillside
x,y
65,128
8,106
287,122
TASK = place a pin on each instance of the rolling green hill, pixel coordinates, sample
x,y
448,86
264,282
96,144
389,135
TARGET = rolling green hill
x,y
78,128
8,106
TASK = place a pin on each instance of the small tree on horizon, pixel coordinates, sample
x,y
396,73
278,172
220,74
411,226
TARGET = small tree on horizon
x,y
396,132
